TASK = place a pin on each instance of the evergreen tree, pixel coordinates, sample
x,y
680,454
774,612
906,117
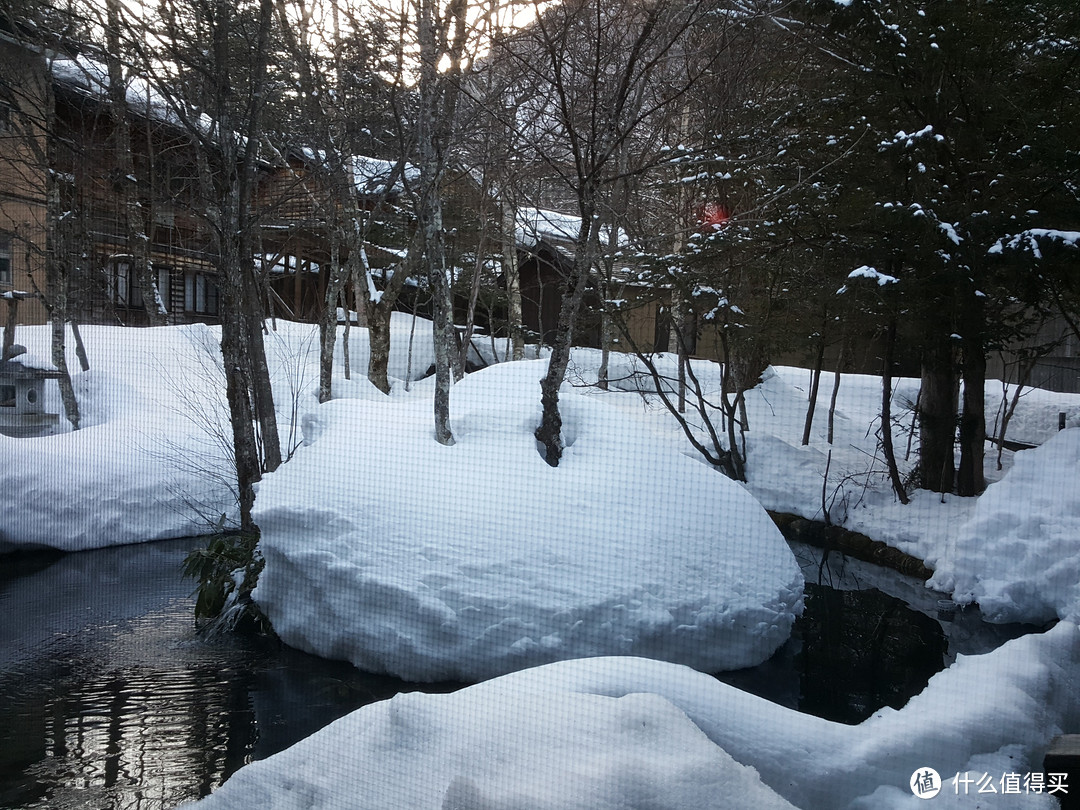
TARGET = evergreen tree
x,y
929,132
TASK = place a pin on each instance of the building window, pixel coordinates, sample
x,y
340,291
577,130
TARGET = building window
x,y
5,260
124,289
121,284
5,116
200,294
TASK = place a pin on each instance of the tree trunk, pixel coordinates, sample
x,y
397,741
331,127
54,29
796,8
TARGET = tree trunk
x,y
126,183
442,328
263,391
513,283
937,416
9,324
970,477
58,249
616,216
59,358
328,319
237,388
815,382
474,286
346,335
549,433
886,415
378,322
605,332
678,340
80,348
836,386
438,93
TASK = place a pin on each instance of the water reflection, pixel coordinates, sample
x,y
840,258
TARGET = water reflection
x,y
128,738
868,638
862,650
108,699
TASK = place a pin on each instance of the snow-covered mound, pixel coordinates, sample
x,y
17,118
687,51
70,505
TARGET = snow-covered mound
x,y
428,562
627,733
152,459
141,467
487,750
1019,555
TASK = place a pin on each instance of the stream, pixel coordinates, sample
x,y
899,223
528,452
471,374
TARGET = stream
x,y
110,700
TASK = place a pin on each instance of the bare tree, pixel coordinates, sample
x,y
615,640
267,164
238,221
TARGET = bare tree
x,y
125,179
217,54
602,72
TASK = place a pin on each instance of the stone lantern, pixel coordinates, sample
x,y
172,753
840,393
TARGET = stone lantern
x,y
22,398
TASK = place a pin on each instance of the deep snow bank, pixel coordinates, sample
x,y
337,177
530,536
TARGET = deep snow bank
x,y
479,750
145,464
612,732
427,562
1019,555
152,459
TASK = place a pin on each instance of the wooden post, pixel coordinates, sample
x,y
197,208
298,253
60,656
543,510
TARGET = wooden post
x,y
1062,767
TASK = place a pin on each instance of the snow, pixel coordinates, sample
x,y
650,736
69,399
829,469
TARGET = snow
x,y
494,746
847,479
91,77
873,274
469,561
1029,240
37,360
635,733
373,175
150,460
152,402
464,562
1019,554
535,224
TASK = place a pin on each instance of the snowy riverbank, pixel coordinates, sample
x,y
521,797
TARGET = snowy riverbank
x,y
404,556
152,458
151,461
633,733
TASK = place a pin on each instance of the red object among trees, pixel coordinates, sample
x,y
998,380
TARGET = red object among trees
x,y
714,216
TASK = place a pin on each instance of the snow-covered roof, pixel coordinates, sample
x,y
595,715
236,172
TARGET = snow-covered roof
x,y
536,224
370,175
28,366
91,77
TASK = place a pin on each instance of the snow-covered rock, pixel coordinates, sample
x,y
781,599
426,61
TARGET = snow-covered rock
x,y
1019,555
633,733
403,556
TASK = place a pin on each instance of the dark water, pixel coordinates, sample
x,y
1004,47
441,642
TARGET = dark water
x,y
109,700
868,638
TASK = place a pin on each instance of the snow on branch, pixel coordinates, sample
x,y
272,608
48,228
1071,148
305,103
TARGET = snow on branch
x,y
1031,239
905,139
866,271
